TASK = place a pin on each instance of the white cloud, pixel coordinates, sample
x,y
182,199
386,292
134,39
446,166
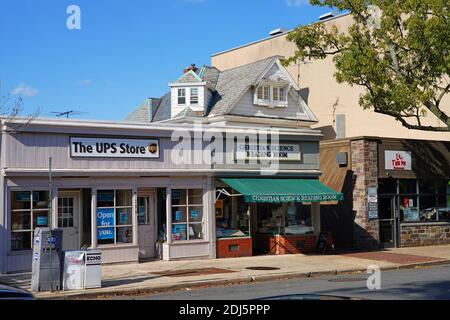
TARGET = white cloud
x,y
86,82
24,90
296,3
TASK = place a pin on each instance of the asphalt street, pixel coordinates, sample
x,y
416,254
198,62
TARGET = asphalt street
x,y
429,283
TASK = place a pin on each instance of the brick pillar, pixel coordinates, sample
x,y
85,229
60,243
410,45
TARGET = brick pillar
x,y
366,233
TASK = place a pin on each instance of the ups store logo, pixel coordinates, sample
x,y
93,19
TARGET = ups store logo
x,y
153,148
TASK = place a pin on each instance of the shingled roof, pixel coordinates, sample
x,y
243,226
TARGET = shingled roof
x,y
227,86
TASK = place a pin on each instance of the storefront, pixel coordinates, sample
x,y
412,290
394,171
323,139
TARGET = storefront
x,y
118,187
269,216
397,191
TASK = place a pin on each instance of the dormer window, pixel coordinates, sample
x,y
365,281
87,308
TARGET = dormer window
x,y
264,93
271,95
278,94
194,95
181,96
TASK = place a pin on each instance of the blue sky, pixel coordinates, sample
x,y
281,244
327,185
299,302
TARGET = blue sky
x,y
125,50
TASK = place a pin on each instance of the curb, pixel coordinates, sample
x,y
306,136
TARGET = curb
x,y
223,282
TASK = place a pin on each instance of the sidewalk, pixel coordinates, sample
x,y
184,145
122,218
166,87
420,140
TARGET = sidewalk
x,y
160,276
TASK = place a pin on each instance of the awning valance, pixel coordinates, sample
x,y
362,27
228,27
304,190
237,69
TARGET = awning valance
x,y
283,190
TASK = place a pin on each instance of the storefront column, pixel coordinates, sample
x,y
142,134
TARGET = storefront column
x,y
3,229
166,246
211,216
94,218
315,213
134,216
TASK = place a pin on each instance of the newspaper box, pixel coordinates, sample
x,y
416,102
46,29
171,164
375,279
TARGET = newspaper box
x,y
74,266
93,275
82,270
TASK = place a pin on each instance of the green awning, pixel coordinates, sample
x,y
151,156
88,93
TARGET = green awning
x,y
283,190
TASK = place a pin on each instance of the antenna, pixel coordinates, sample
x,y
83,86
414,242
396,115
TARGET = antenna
x,y
66,114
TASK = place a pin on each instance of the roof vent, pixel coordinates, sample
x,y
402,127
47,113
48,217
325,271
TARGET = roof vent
x,y
326,16
276,32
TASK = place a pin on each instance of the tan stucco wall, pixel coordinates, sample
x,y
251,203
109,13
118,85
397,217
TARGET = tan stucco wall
x,y
324,91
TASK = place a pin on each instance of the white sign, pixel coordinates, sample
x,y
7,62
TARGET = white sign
x,y
267,151
113,148
398,160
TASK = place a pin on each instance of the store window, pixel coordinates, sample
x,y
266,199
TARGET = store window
x,y
29,210
187,214
299,219
232,215
114,217
425,200
285,219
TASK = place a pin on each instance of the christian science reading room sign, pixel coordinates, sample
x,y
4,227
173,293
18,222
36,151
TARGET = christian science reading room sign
x,y
113,148
246,151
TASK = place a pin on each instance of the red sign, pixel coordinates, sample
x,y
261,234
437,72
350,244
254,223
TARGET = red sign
x,y
406,202
399,163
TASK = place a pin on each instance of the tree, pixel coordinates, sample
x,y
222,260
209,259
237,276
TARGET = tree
x,y
397,50
11,108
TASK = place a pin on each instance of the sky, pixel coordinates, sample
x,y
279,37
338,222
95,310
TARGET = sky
x,y
125,51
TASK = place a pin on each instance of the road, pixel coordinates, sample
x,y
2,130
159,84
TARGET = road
x,y
426,283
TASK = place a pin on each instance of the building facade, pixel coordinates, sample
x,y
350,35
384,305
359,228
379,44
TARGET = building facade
x,y
151,186
382,206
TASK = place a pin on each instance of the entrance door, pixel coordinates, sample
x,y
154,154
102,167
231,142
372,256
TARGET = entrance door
x,y
147,226
388,221
69,219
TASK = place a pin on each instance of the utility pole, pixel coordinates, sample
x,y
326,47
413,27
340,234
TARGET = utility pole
x,y
50,185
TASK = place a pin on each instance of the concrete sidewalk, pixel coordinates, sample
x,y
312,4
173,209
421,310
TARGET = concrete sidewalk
x,y
160,276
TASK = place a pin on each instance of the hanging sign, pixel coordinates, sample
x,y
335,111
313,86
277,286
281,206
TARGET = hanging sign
x,y
113,148
398,160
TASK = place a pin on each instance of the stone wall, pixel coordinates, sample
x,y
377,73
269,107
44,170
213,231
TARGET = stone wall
x,y
415,235
364,155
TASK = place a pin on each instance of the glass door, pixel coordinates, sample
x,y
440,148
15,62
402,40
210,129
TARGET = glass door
x,y
388,219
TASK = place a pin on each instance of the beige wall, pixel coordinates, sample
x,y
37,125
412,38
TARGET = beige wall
x,y
324,91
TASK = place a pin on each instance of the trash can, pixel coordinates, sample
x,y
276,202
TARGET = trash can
x,y
82,270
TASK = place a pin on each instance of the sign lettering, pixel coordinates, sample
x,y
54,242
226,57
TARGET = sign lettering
x,y
114,148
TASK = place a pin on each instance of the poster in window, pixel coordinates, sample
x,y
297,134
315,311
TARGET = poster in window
x,y
219,209
411,214
105,218
179,232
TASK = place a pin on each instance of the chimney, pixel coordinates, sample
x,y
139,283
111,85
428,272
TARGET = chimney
x,y
191,67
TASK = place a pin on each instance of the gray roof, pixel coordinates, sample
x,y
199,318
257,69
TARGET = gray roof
x,y
233,83
143,113
228,87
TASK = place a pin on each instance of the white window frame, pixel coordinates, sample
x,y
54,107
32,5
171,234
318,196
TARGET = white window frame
x,y
192,95
188,223
281,102
179,96
116,226
31,211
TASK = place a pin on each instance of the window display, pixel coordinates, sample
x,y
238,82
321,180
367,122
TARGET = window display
x,y
114,217
232,216
285,219
187,214
29,210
